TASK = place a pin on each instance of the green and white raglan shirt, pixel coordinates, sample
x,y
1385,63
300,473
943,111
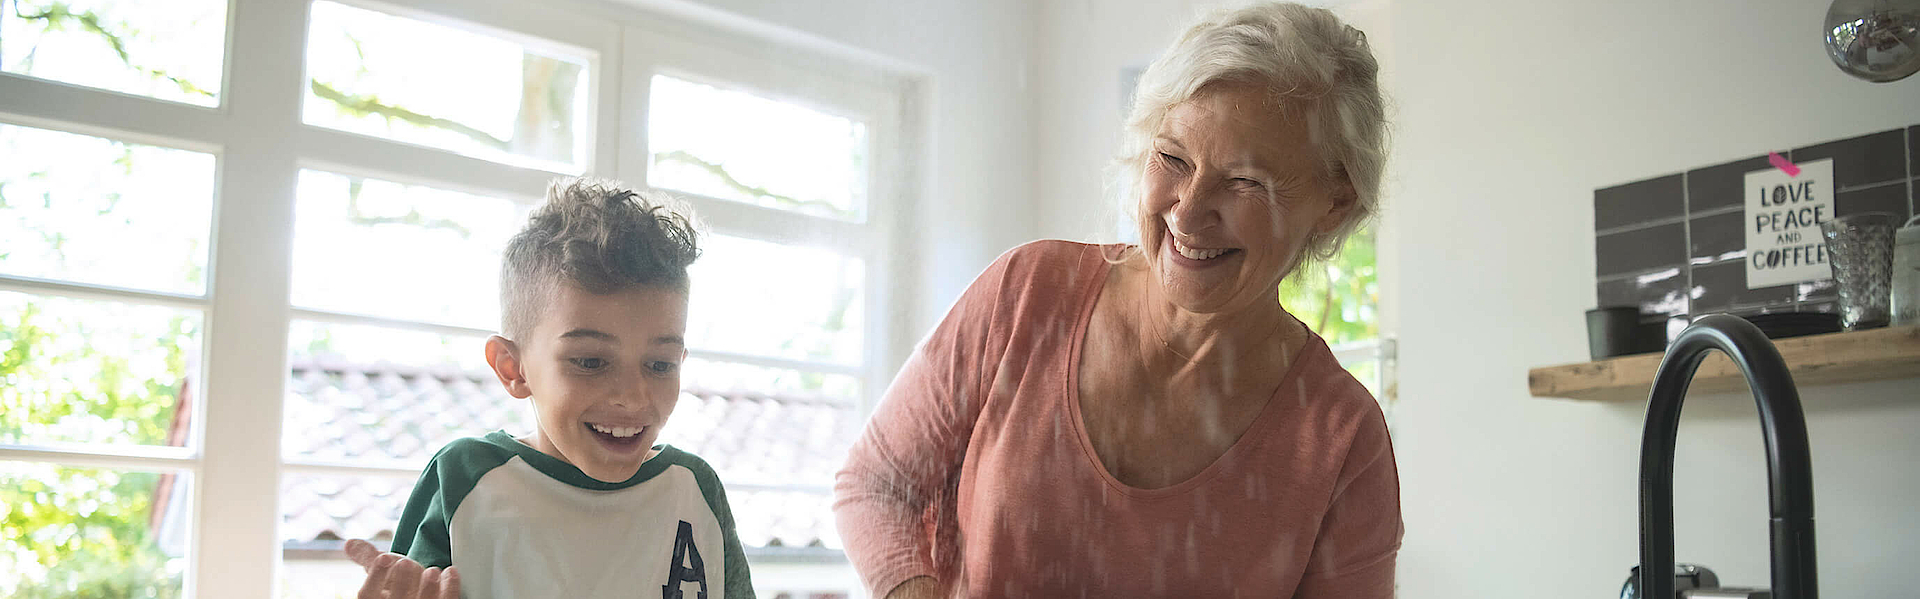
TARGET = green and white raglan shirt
x,y
520,523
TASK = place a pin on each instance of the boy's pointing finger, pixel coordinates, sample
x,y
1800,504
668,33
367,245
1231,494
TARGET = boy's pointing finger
x,y
362,552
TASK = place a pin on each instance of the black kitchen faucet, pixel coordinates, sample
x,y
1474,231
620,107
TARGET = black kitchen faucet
x,y
1789,466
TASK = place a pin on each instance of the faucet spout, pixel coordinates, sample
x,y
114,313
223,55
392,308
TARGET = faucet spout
x,y
1789,464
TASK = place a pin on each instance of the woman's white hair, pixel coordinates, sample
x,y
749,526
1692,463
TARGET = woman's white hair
x,y
1315,65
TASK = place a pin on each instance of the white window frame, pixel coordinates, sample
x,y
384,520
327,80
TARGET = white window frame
x,y
817,82
1380,348
261,144
830,86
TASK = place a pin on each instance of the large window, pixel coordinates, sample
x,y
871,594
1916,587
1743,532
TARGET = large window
x,y
206,255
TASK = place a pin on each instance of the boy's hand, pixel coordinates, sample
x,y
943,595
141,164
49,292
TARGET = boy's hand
x,y
393,576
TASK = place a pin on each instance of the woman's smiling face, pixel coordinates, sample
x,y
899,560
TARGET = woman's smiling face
x,y
1232,191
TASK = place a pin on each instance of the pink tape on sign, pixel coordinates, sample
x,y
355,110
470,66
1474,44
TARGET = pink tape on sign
x,y
1780,162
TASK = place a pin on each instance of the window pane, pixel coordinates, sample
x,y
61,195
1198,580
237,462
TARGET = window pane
x,y
401,251
763,298
376,395
319,509
732,145
765,425
784,518
1338,298
317,513
85,532
1368,373
764,439
730,377
169,50
418,82
77,371
93,210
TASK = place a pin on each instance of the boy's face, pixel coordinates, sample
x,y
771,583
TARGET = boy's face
x,y
603,372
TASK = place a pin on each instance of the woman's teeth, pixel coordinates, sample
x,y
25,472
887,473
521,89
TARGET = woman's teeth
x,y
618,431
1199,254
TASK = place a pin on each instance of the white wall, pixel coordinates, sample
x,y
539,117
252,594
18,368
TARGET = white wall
x,y
976,163
1509,114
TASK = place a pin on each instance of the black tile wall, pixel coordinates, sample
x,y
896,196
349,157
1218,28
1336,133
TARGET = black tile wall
x,y
1717,237
1813,291
1721,185
1885,198
1641,249
1661,293
1638,202
1752,311
1695,265
1719,287
1863,160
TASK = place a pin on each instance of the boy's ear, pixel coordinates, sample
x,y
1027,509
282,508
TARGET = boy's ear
x,y
504,357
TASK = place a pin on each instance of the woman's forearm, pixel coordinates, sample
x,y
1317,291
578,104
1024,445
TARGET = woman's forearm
x,y
880,523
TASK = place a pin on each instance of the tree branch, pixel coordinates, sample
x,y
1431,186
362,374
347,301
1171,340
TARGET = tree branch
x,y
60,13
411,218
370,105
727,179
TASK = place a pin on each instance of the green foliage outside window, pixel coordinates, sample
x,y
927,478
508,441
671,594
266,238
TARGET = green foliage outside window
x,y
82,532
1338,298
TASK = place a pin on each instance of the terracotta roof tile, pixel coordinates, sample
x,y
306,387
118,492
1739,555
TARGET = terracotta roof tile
x,y
775,453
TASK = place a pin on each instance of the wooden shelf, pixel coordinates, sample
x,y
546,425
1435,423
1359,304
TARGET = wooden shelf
x,y
1870,355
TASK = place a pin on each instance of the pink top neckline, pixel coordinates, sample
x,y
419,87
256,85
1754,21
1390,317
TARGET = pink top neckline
x,y
1072,397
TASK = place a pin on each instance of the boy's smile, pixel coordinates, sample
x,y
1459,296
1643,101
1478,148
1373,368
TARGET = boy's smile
x,y
604,374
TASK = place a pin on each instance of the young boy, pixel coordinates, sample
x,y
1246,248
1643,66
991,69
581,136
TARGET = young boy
x,y
594,310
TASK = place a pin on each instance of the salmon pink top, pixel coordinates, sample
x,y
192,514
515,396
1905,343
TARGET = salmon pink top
x,y
976,468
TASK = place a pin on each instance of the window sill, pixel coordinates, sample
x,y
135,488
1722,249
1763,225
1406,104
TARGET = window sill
x,y
1833,358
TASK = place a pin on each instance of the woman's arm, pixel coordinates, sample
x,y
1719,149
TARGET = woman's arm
x,y
1354,554
908,460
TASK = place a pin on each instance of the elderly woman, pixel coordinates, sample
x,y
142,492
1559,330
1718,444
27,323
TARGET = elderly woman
x,y
1149,421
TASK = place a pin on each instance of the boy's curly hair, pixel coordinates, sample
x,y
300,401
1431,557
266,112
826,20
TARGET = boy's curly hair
x,y
598,236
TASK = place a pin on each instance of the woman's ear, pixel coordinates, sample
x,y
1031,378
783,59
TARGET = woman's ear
x,y
1344,198
504,357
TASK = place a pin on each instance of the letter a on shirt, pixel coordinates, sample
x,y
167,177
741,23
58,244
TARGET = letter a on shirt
x,y
677,574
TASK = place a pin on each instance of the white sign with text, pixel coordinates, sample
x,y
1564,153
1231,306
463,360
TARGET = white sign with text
x,y
1784,213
